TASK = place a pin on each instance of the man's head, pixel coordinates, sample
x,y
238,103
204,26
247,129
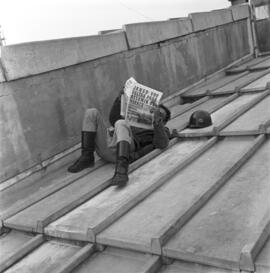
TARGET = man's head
x,y
165,112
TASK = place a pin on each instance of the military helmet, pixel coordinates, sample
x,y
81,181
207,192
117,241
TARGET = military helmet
x,y
200,119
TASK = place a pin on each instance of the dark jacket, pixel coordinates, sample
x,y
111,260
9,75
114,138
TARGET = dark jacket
x,y
145,140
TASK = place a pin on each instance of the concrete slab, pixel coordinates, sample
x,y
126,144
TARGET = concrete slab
x,y
172,205
212,85
115,260
49,257
217,234
183,267
249,65
224,115
262,65
250,121
2,75
22,60
52,207
262,263
205,20
239,83
180,122
240,12
21,251
142,34
259,83
103,209
27,192
10,242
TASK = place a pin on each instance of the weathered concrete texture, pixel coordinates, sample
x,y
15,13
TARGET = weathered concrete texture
x,y
213,84
177,267
104,208
263,34
251,120
239,83
142,34
204,20
2,76
259,83
264,64
47,258
262,263
217,234
222,115
41,115
240,12
115,261
11,242
48,209
152,217
210,105
27,59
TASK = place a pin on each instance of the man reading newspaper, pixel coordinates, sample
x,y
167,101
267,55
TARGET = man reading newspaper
x,y
131,135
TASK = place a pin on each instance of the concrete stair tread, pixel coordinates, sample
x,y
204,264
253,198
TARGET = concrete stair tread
x,y
213,84
182,120
106,207
263,258
11,241
251,120
223,114
174,200
48,257
28,219
218,233
182,267
241,82
117,261
259,83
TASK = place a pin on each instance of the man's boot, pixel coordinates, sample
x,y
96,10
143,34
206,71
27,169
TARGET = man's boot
x,y
87,158
120,177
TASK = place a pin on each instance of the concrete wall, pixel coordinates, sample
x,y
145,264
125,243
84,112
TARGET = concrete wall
x,y
263,34
41,114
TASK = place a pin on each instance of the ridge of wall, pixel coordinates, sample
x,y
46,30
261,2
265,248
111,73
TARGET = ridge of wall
x,y
48,89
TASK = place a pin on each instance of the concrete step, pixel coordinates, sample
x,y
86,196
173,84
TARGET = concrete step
x,y
35,217
217,234
152,222
225,115
259,84
240,83
255,64
86,221
115,260
262,263
182,267
10,242
51,256
180,122
213,84
250,122
29,191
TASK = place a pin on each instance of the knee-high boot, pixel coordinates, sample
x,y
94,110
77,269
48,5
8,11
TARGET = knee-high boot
x,y
87,158
120,177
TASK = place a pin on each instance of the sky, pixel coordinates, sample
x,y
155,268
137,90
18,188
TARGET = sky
x,y
34,20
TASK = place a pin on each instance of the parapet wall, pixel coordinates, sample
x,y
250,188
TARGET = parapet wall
x,y
46,86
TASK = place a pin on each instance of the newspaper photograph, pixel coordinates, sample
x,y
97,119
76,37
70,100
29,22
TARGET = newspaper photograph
x,y
138,104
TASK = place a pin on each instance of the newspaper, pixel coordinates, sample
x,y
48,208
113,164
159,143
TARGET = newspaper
x,y
138,103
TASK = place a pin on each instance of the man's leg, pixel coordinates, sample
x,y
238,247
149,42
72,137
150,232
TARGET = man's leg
x,y
94,136
124,145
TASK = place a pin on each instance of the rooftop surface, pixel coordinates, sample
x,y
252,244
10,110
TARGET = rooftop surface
x,y
201,205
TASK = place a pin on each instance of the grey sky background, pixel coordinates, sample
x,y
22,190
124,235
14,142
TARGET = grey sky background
x,y
34,20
